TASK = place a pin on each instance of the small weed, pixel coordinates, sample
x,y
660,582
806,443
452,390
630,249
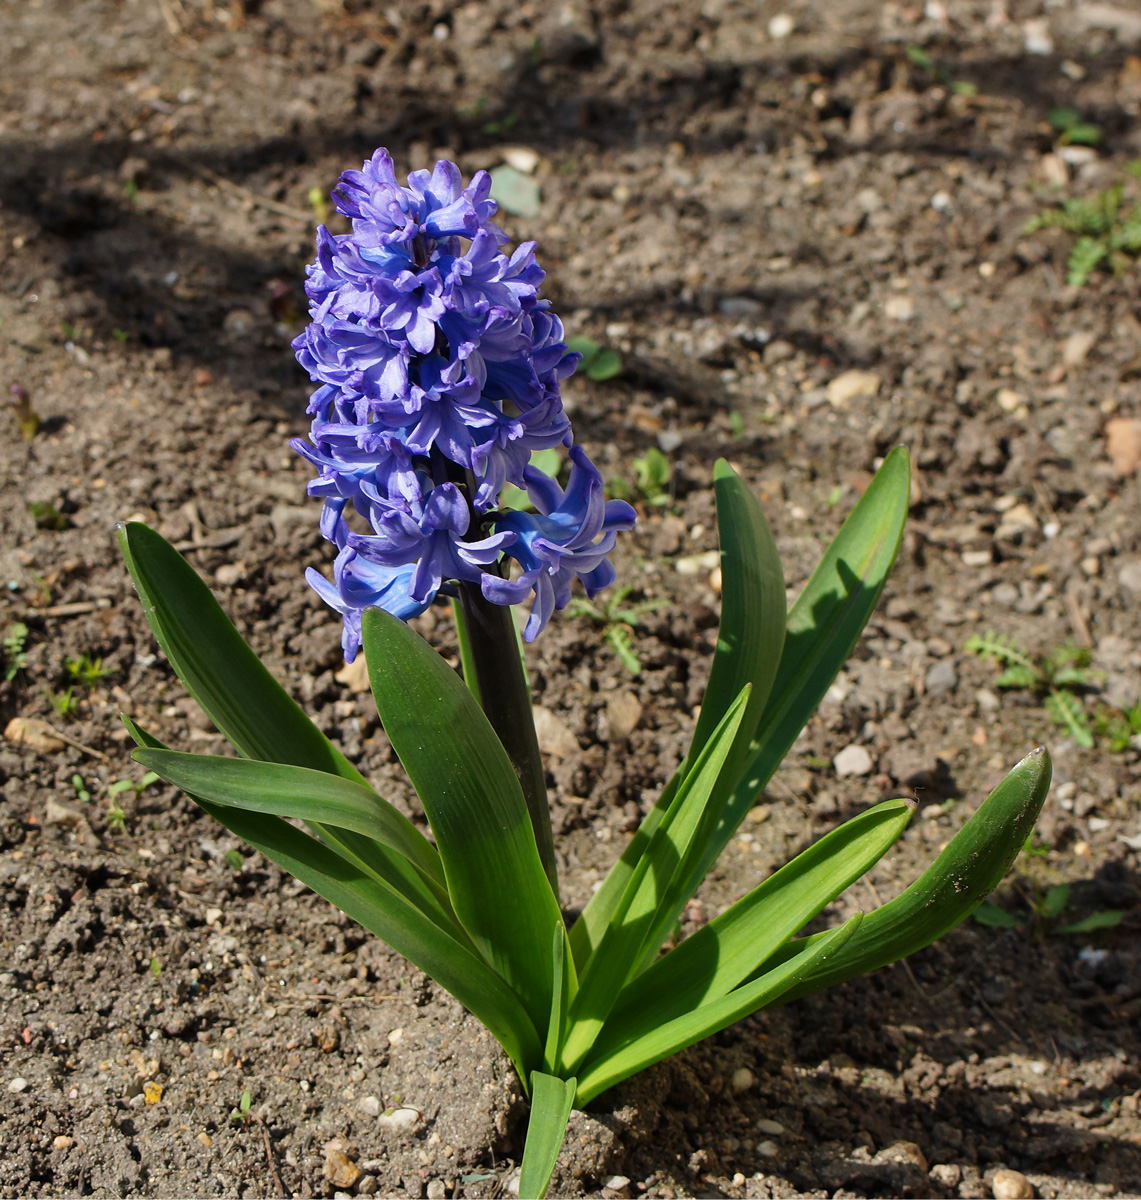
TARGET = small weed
x,y
501,126
619,621
1073,129
1121,728
26,417
155,967
116,816
1046,909
87,670
15,654
65,703
918,57
598,363
81,792
319,205
653,479
1107,230
131,188
235,859
121,335
242,1112
1055,678
47,516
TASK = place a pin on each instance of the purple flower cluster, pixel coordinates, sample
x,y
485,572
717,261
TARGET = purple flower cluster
x,y
438,369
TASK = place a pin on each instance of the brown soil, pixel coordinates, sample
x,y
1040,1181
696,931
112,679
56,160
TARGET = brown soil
x,y
745,218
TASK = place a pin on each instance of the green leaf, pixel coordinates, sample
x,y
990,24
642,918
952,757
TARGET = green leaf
x,y
297,792
586,346
823,626
382,910
516,193
639,910
251,709
719,956
749,643
996,918
1067,710
1055,901
551,1102
660,1042
950,890
474,803
606,364
1095,921
564,985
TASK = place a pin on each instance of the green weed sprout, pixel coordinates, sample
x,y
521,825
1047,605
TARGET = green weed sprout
x,y
1046,911
1108,231
578,1008
15,654
599,363
87,670
619,620
1056,678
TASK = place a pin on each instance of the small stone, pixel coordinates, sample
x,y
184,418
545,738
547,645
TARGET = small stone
x,y
947,1174
903,1152
436,1189
230,574
522,158
205,1138
399,1120
743,1079
339,1169
781,26
987,701
369,1105
977,558
1009,400
623,712
773,1128
33,733
987,269
1036,37
18,1084
238,322
899,308
853,760
58,813
395,1036
768,1149
851,385
1011,1185
354,675
615,1183
941,678
1129,576
213,916
1123,444
1076,348
1053,169
555,736
942,202
367,1185
698,564
62,1142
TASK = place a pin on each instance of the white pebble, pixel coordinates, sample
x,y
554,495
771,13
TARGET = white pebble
x,y
369,1105
18,1084
852,760
768,1149
775,1128
781,26
742,1079
942,202
1011,1185
399,1119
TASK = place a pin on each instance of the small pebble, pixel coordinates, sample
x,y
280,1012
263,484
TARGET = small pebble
x,y
340,1170
742,1079
851,385
369,1105
899,308
436,1189
941,678
1011,1185
399,1120
852,760
18,1084
615,1183
768,1149
1076,348
948,1174
62,1142
781,26
775,1128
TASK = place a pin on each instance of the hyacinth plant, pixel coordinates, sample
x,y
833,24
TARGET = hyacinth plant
x,y
438,370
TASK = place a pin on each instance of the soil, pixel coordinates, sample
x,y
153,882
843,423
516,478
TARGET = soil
x,y
746,209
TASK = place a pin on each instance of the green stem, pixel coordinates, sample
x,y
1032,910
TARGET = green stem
x,y
501,684
466,663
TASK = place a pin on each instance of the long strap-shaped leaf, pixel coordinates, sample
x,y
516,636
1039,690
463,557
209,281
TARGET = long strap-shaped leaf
x,y
823,626
298,792
719,956
958,881
552,1099
661,1041
474,803
608,967
749,643
251,709
382,910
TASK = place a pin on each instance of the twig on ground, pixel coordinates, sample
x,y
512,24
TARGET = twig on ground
x,y
252,197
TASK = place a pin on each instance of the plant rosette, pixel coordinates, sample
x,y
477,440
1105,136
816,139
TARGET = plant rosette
x,y
438,372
